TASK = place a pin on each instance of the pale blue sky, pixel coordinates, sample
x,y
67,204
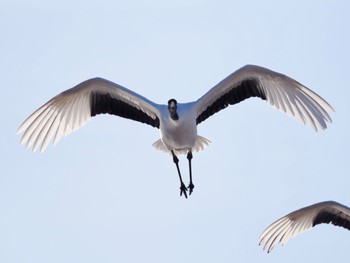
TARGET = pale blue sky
x,y
104,194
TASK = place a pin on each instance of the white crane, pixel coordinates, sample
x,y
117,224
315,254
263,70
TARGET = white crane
x,y
177,122
303,219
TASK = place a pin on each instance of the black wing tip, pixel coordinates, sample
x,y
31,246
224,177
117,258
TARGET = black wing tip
x,y
241,91
102,103
333,215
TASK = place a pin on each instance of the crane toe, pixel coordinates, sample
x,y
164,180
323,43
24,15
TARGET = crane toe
x,y
190,187
183,189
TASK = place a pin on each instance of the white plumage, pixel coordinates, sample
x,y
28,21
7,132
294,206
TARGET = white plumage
x,y
303,219
177,122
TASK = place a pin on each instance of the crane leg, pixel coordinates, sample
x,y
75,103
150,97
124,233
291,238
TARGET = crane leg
x,y
189,157
183,189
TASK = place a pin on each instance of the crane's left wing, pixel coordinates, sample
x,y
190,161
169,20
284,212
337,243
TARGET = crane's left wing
x,y
282,92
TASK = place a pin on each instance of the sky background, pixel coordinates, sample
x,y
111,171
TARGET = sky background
x,y
104,194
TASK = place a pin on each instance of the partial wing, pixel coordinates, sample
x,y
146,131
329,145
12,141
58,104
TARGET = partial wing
x,y
303,219
73,108
282,92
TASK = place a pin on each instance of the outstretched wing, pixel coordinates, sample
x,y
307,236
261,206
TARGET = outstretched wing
x,y
303,219
74,107
282,92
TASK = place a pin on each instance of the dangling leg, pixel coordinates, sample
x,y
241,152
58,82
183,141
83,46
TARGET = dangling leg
x,y
189,157
183,189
